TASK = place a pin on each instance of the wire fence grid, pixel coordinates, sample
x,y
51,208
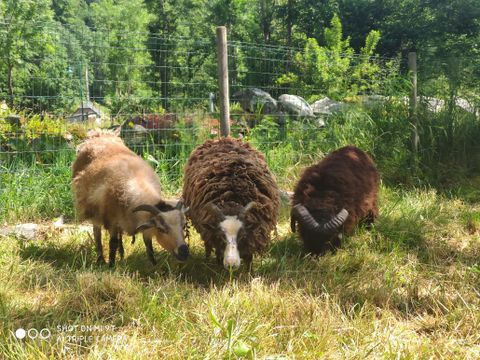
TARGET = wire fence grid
x,y
163,92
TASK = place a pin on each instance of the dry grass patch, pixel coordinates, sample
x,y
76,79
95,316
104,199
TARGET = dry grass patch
x,y
408,288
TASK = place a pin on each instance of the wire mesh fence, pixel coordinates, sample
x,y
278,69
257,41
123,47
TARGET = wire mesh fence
x,y
57,82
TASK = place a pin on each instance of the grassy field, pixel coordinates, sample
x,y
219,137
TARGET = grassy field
x,y
409,288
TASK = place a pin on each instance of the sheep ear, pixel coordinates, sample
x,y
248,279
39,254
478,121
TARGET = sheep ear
x,y
181,206
148,225
209,226
214,208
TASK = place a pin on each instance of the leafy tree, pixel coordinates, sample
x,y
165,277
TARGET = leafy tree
x,y
182,43
120,33
24,41
333,69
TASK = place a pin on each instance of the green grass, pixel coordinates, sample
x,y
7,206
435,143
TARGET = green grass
x,y
408,288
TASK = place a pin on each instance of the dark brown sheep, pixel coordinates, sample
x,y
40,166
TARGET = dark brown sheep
x,y
333,196
233,199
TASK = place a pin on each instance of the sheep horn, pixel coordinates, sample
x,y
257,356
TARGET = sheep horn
x,y
301,212
250,206
145,207
149,224
336,221
308,220
293,221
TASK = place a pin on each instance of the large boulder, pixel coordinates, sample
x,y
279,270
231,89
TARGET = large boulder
x,y
374,100
326,106
255,100
295,105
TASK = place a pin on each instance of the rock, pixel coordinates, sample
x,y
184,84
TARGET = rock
x,y
255,100
24,231
32,231
372,100
466,105
327,106
295,105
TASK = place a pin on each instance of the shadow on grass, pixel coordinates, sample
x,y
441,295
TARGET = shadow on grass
x,y
203,272
69,256
390,233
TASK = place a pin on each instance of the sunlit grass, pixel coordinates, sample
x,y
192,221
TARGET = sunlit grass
x,y
408,288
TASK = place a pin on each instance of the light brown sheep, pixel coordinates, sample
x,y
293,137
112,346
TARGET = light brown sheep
x,y
116,189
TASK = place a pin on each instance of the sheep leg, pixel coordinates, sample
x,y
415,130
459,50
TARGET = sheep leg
x,y
370,219
219,256
208,251
97,234
113,247
248,261
121,250
149,246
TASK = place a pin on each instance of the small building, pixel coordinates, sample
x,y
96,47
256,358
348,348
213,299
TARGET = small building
x,y
86,112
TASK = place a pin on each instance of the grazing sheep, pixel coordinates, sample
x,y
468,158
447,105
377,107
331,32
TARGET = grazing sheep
x,y
116,189
233,199
333,196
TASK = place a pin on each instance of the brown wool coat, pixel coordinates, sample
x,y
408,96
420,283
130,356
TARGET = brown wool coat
x,y
346,178
230,173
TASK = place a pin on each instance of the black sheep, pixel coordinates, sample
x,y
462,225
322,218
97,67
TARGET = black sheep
x,y
333,196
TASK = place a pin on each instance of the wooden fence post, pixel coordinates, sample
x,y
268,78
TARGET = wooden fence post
x,y
412,66
222,56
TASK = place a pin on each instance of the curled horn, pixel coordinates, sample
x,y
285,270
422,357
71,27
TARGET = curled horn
x,y
250,206
149,224
293,221
145,207
300,212
336,221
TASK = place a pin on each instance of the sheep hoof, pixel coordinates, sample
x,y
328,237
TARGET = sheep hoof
x,y
100,260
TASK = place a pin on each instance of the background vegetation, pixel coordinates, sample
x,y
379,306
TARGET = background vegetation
x,y
408,288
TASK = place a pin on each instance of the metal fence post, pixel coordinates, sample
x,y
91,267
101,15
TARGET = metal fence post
x,y
222,56
412,66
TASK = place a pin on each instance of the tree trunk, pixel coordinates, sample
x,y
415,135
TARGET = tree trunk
x,y
265,20
10,83
290,6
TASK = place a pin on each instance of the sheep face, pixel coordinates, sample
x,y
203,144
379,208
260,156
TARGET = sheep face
x,y
232,225
167,227
320,231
